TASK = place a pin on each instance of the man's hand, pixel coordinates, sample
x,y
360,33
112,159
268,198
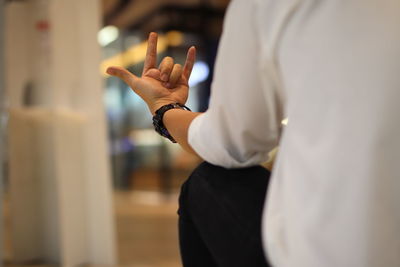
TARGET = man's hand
x,y
159,86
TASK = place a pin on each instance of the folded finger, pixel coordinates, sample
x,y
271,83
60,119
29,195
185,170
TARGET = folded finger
x,y
166,67
176,74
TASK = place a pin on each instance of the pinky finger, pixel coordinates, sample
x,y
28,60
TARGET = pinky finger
x,y
190,59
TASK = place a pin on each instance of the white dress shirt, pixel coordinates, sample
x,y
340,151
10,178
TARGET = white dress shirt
x,y
332,67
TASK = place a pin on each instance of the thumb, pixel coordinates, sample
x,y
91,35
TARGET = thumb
x,y
125,75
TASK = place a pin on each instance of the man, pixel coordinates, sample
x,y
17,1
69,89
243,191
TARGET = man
x,y
332,68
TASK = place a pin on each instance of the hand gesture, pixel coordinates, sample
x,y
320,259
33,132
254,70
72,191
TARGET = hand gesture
x,y
159,86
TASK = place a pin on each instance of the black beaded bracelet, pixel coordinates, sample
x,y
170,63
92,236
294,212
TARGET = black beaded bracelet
x,y
158,119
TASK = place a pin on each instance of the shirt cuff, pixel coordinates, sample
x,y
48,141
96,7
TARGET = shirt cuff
x,y
206,141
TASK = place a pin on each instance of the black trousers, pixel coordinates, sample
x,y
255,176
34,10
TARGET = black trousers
x,y
220,214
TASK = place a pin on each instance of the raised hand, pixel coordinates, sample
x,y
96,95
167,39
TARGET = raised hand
x,y
159,86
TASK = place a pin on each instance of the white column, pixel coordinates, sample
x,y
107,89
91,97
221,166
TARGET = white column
x,y
79,76
58,147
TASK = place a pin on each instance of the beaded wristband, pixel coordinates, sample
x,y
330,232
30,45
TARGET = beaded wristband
x,y
158,119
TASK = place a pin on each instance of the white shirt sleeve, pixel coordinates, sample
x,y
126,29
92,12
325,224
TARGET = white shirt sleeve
x,y
243,121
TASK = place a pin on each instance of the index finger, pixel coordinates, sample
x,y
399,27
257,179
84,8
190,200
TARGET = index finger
x,y
151,54
190,59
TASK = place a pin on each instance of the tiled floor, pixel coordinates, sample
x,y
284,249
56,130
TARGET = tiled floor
x,y
147,229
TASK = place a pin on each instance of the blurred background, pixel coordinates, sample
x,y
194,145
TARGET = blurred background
x,y
85,180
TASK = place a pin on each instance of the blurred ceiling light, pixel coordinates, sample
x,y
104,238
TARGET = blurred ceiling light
x,y
174,38
285,121
107,35
199,74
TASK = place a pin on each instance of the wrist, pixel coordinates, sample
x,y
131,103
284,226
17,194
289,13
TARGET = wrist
x,y
160,103
158,119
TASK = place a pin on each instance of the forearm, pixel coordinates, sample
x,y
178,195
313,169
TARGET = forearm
x,y
177,122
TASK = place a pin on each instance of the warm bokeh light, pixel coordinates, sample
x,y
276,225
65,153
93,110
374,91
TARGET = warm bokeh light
x,y
107,35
